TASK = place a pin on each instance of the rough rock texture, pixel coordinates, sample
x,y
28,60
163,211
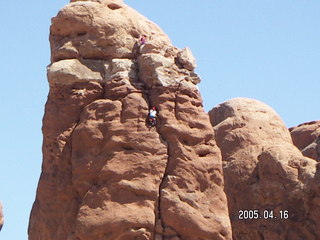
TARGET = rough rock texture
x,y
186,59
263,171
1,217
106,174
306,137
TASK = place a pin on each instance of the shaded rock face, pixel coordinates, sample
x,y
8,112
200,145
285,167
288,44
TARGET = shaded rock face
x,y
264,171
306,137
106,174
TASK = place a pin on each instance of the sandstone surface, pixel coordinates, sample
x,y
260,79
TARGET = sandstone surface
x,y
106,174
306,137
264,171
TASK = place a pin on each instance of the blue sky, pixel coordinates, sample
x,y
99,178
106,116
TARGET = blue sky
x,y
267,50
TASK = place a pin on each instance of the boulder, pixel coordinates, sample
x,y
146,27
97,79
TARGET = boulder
x,y
306,137
186,59
271,188
101,30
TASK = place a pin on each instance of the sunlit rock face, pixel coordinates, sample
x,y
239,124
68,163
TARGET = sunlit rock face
x,y
272,189
306,137
106,173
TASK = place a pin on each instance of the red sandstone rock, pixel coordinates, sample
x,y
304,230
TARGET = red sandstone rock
x,y
263,171
106,174
306,137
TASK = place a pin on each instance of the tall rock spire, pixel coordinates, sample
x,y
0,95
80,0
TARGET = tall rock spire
x,y
106,174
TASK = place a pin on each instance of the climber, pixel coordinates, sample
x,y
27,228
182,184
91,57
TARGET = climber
x,y
143,40
152,117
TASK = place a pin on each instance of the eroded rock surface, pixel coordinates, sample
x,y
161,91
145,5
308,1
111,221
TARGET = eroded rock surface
x,y
106,174
264,171
306,137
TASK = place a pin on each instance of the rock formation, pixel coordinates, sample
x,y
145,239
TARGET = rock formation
x,y
106,174
265,174
1,217
306,137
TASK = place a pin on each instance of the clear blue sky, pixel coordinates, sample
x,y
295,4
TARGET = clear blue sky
x,y
267,50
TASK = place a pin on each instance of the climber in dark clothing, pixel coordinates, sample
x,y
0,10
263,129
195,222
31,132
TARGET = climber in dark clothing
x,y
143,40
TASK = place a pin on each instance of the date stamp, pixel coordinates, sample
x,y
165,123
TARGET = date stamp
x,y
265,214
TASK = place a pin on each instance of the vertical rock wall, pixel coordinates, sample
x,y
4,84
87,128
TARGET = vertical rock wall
x,y
106,174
